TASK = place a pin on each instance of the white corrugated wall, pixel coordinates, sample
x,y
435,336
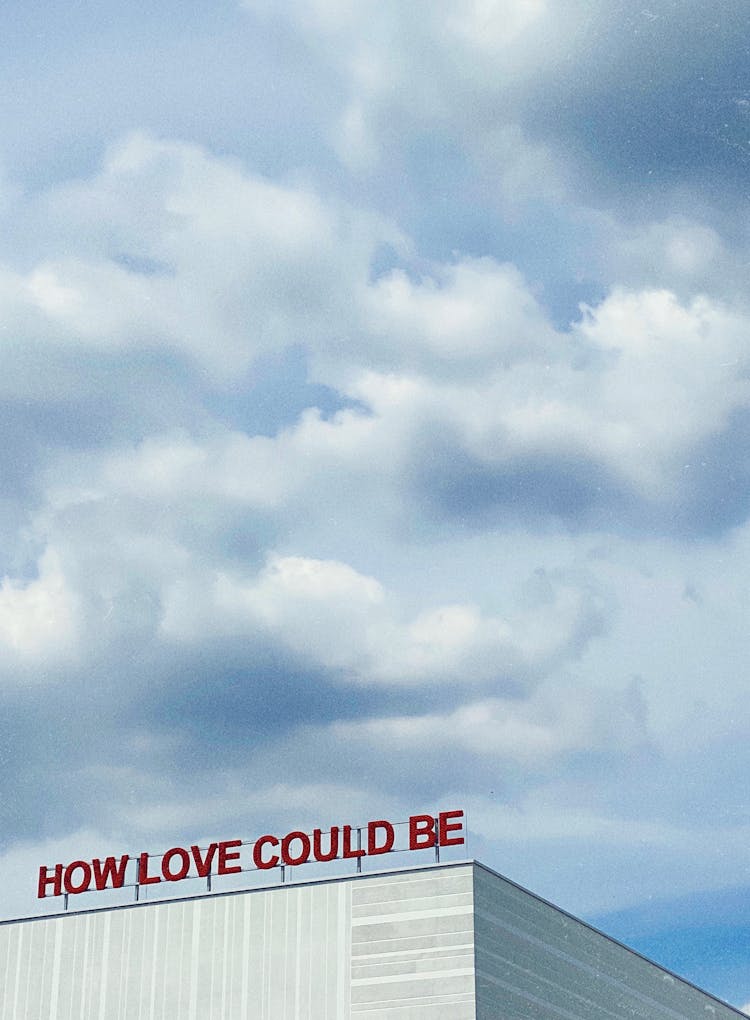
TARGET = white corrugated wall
x,y
379,947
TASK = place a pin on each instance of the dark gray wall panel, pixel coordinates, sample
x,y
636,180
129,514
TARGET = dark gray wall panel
x,y
533,962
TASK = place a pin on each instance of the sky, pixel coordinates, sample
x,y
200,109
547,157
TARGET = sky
x,y
375,401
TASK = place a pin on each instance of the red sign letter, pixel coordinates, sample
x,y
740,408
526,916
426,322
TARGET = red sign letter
x,y
304,853
224,856
143,876
333,850
169,875
54,880
110,870
258,861
372,844
446,825
421,832
202,865
348,852
85,882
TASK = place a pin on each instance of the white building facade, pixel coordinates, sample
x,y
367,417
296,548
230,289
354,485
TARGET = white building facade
x,y
445,942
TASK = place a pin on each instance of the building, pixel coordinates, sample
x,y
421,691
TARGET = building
x,y
449,941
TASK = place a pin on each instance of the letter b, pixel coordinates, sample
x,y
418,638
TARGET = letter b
x,y
421,832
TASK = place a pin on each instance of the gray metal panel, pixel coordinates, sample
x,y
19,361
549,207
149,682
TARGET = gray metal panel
x,y
413,946
275,955
534,962
385,947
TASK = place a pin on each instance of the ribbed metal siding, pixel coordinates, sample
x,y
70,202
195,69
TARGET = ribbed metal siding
x,y
413,947
391,947
536,963
267,956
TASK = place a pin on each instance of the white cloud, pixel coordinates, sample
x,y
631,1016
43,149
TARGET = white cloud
x,y
187,253
678,246
344,621
490,25
461,72
638,382
554,721
353,139
39,618
463,353
230,467
477,313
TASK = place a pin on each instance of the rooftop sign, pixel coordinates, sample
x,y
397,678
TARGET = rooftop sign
x,y
232,856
